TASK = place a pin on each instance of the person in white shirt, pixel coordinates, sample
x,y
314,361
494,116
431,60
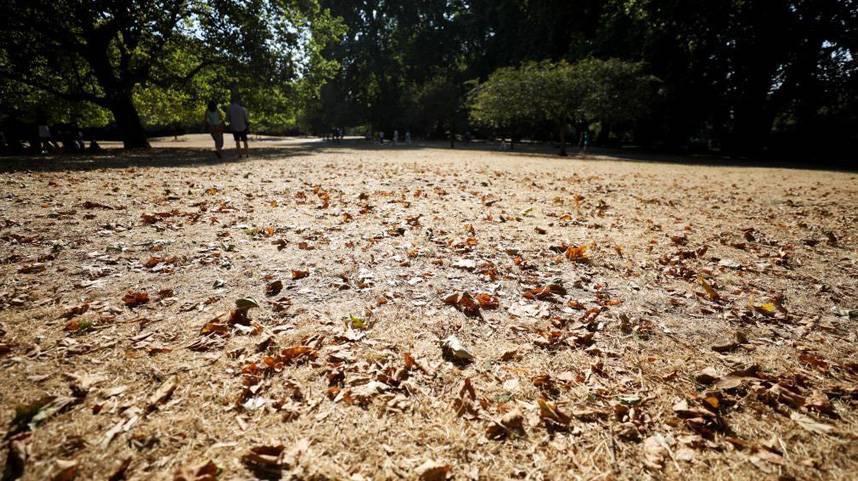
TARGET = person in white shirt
x,y
214,124
239,124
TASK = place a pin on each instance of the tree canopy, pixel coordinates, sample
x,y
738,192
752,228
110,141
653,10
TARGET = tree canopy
x,y
748,78
558,93
155,55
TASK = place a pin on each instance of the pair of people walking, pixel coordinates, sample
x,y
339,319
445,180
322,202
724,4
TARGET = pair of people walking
x,y
238,123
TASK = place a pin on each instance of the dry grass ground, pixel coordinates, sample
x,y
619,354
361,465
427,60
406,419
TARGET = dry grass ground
x,y
688,321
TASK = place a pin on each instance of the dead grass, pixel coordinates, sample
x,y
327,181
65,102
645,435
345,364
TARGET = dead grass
x,y
392,223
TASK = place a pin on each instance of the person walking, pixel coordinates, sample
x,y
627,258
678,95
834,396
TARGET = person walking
x,y
239,124
215,126
46,139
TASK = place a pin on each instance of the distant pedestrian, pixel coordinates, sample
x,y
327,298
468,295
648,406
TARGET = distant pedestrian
x,y
239,124
381,137
215,126
408,137
395,137
46,141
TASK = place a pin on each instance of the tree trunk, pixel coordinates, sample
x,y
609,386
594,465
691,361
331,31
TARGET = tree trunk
x,y
128,121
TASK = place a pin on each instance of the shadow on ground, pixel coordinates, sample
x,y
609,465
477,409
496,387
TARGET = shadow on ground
x,y
178,156
172,157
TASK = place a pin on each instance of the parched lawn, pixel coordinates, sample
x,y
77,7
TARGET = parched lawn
x,y
423,312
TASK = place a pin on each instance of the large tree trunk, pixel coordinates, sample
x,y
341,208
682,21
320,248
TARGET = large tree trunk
x,y
128,121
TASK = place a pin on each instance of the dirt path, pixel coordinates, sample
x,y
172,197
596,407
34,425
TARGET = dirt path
x,y
663,320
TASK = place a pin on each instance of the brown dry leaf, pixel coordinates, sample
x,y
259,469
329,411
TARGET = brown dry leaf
x,y
75,311
545,293
264,461
273,288
152,262
726,346
135,298
120,470
66,470
710,292
814,360
465,303
551,414
297,354
487,301
206,471
218,325
511,424
819,402
812,425
510,354
433,471
33,268
162,393
577,253
299,274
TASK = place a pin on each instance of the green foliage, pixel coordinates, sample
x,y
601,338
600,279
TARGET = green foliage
x,y
610,91
746,75
163,58
613,91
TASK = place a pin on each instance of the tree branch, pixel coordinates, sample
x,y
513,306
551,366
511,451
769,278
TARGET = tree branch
x,y
73,96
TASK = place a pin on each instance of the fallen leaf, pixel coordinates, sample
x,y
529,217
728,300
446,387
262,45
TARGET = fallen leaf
x,y
162,393
206,471
487,301
273,288
511,424
66,470
710,292
577,253
819,402
357,323
299,274
135,298
264,461
812,425
453,350
464,302
433,471
245,304
545,293
655,451
551,414
297,353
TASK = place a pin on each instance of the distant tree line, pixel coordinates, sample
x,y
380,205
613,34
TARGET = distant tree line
x,y
777,78
742,77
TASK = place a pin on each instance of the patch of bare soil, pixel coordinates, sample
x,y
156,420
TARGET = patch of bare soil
x,y
356,312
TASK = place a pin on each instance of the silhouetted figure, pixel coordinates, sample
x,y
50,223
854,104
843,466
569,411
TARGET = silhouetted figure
x,y
239,124
214,124
93,145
